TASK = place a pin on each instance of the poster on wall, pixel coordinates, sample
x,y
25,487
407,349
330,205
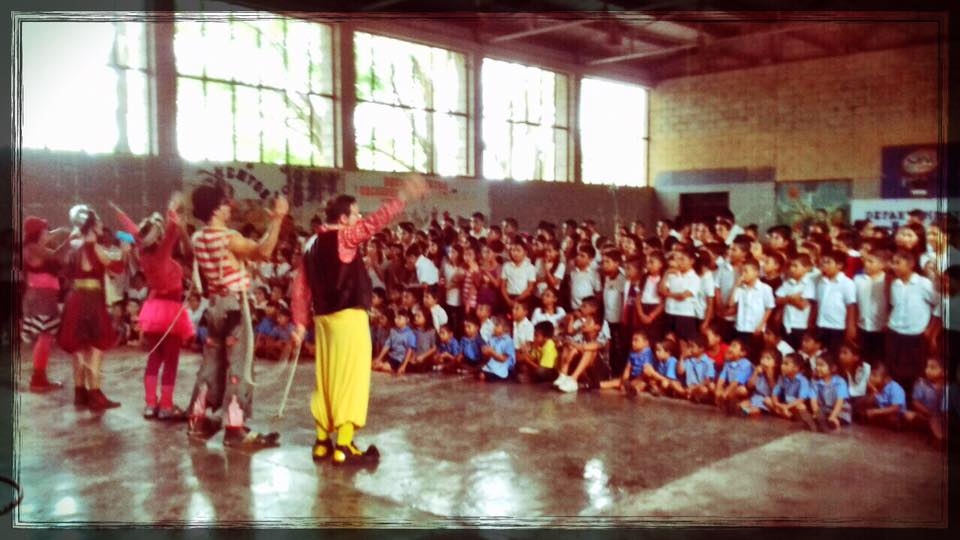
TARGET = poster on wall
x,y
799,203
911,171
309,188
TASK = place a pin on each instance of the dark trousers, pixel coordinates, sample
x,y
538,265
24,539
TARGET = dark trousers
x,y
752,343
655,329
685,328
831,338
795,337
455,318
906,358
617,356
871,346
726,329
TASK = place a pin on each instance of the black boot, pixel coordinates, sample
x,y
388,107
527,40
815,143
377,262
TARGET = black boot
x,y
81,398
99,402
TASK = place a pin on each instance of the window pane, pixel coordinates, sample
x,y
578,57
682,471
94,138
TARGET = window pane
x,y
246,53
449,74
496,148
298,129
131,45
190,119
138,127
219,125
613,123
451,144
274,127
321,59
324,151
386,135
247,124
188,46
218,43
273,70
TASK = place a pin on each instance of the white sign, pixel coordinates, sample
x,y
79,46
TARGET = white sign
x,y
894,212
309,189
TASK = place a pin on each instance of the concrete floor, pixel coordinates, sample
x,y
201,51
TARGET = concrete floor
x,y
491,455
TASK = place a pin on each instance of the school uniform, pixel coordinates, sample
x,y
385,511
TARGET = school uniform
x,y
650,300
471,349
486,330
517,277
796,320
439,316
827,392
892,394
726,277
737,371
697,371
762,390
398,343
613,315
752,301
522,333
683,313
496,370
857,382
913,303
451,347
666,368
784,348
708,290
427,272
638,360
789,389
539,315
873,311
583,283
926,394
834,295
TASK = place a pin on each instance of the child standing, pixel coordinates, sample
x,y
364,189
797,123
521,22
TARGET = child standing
x,y
680,287
762,382
519,277
795,295
914,320
698,371
836,298
752,300
828,400
650,316
584,280
614,283
500,354
873,306
731,386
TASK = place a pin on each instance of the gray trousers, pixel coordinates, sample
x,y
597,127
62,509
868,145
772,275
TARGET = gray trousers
x,y
221,369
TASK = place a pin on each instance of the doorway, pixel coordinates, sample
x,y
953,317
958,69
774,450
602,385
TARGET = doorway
x,y
703,207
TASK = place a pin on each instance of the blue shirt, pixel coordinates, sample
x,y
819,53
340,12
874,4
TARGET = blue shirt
x,y
471,348
762,386
737,371
667,368
698,370
927,395
282,333
399,342
828,392
892,394
426,339
266,327
501,345
790,390
452,347
638,360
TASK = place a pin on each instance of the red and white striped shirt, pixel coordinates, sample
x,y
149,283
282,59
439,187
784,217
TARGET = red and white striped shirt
x,y
220,271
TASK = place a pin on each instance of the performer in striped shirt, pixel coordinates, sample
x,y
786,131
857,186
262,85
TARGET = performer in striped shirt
x,y
225,376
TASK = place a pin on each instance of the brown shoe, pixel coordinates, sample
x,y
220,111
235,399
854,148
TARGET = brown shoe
x,y
99,402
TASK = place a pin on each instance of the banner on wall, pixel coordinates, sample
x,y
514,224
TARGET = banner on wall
x,y
893,212
801,202
309,188
910,171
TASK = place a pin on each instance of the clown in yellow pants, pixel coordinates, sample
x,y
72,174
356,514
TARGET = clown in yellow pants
x,y
344,356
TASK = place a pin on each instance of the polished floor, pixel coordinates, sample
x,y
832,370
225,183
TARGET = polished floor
x,y
457,452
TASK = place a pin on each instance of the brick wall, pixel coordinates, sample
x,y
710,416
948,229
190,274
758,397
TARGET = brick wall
x,y
818,119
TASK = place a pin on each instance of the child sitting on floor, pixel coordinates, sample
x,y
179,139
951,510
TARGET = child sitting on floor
x,y
471,345
762,382
926,407
632,381
828,400
586,352
400,346
423,359
500,353
731,386
792,391
661,375
448,349
539,363
697,371
886,402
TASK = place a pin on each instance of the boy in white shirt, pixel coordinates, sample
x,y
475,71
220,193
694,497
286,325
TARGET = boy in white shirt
x,y
427,273
522,328
873,305
519,275
584,280
836,297
795,295
914,320
614,284
680,288
753,301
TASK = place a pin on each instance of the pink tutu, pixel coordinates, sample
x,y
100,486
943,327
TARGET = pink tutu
x,y
157,316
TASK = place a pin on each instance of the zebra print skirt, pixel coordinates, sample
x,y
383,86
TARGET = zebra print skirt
x,y
41,314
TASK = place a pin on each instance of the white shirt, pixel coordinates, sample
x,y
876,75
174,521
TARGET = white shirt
x,y
708,289
678,283
874,310
518,276
725,277
735,231
439,316
613,298
522,333
195,316
795,318
450,273
785,348
583,283
478,235
427,273
558,274
752,303
651,290
857,384
833,297
486,330
913,303
539,316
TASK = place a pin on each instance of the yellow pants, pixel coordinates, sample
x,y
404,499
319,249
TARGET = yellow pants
x,y
343,364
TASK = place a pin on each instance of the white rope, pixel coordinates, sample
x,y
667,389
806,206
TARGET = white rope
x,y
293,371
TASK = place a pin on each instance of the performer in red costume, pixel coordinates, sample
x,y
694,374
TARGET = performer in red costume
x,y
86,331
334,281
163,318
41,314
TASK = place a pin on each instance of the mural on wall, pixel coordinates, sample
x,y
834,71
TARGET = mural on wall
x,y
798,203
309,188
894,212
911,171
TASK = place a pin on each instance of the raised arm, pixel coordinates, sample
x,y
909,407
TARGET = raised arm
x,y
245,248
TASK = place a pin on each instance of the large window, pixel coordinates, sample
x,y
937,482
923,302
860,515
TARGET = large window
x,y
411,110
525,128
613,133
258,90
86,87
